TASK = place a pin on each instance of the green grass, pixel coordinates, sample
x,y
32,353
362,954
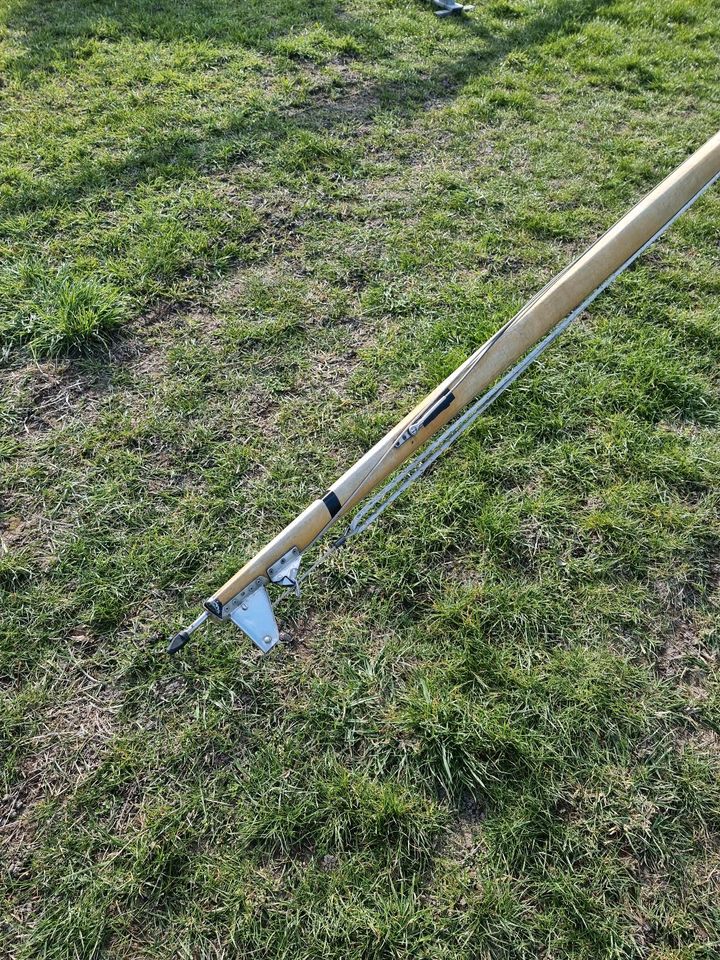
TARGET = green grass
x,y
237,242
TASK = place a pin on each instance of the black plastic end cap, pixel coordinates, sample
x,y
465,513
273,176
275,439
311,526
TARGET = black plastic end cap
x,y
178,641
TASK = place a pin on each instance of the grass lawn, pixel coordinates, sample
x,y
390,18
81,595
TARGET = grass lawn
x,y
238,240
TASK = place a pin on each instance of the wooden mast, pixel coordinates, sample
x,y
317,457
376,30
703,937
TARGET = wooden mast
x,y
566,292
244,598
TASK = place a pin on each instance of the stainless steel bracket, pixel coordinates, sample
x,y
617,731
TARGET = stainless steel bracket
x,y
285,570
239,598
251,609
449,7
254,615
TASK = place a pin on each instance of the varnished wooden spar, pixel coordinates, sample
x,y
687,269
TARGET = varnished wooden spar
x,y
564,294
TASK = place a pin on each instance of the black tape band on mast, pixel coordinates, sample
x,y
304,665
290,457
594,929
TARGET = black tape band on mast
x,y
332,503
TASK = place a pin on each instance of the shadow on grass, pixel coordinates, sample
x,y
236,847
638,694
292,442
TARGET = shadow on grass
x,y
55,39
54,33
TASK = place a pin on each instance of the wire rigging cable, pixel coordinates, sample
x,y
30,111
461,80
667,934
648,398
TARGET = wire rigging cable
x,y
408,449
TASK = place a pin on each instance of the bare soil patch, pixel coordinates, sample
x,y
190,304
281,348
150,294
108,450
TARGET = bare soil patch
x,y
68,745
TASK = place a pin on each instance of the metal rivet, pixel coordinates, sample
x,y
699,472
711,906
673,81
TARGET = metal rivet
x,y
267,639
